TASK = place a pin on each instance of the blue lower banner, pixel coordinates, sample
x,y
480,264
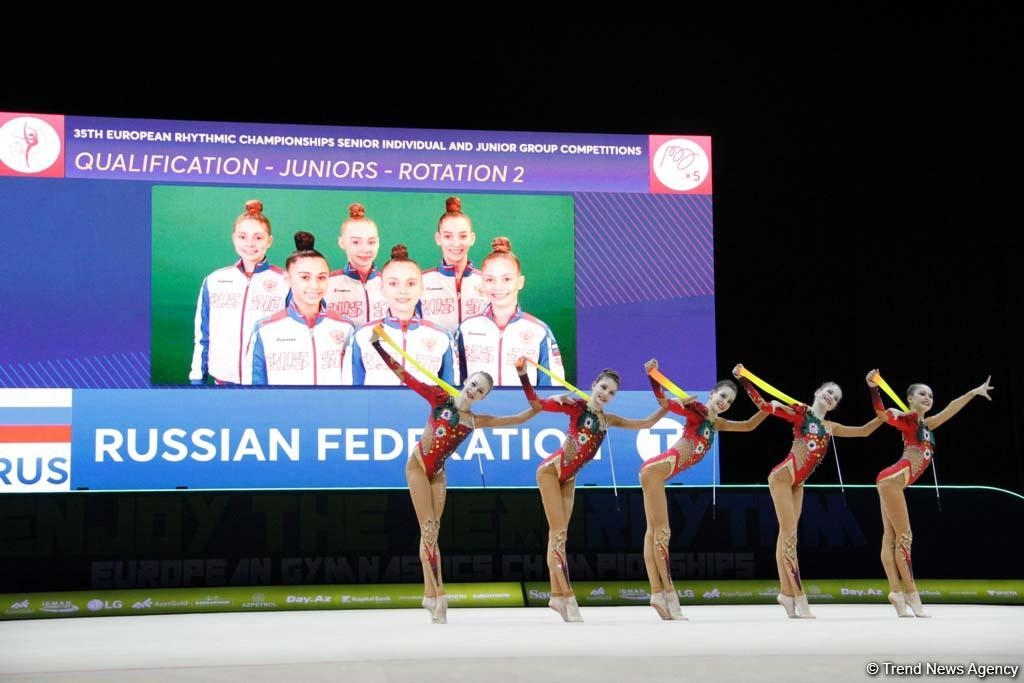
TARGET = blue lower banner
x,y
255,438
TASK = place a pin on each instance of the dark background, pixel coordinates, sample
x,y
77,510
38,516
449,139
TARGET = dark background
x,y
862,182
865,190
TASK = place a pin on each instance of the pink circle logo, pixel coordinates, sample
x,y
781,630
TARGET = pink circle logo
x,y
29,144
680,164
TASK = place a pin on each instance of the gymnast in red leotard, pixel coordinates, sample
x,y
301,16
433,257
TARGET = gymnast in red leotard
x,y
811,434
918,448
556,475
702,421
448,425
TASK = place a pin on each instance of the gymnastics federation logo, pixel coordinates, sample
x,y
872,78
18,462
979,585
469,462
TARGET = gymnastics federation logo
x,y
681,165
35,440
31,145
657,439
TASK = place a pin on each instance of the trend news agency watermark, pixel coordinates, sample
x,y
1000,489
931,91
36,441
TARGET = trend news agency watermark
x,y
918,669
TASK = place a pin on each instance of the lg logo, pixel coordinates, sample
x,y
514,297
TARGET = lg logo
x,y
95,605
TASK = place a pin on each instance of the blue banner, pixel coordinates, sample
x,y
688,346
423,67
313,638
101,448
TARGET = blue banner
x,y
165,439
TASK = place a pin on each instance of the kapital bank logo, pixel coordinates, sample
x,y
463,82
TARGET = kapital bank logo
x,y
31,144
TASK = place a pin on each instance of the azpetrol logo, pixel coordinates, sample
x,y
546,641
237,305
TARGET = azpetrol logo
x,y
35,440
259,601
680,164
32,144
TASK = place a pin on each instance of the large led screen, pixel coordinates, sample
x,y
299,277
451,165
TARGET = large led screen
x,y
116,231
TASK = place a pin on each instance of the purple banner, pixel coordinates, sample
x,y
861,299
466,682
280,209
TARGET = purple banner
x,y
642,253
330,156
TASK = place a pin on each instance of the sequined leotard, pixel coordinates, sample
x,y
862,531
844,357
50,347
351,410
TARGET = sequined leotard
x,y
808,430
444,431
918,443
699,431
586,432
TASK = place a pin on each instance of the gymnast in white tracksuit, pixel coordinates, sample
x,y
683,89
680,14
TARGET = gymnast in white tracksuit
x,y
453,291
492,341
305,343
429,344
354,291
231,300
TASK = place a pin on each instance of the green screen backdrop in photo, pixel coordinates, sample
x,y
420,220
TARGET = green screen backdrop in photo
x,y
191,237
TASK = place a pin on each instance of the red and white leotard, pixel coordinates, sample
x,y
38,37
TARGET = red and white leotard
x,y
699,432
918,443
444,431
586,432
808,430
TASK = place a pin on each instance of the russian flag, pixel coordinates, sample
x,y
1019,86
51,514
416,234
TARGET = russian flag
x,y
35,440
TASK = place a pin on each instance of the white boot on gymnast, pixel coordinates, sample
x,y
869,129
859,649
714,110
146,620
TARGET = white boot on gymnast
x,y
558,604
660,605
572,609
914,603
675,610
803,610
440,613
899,601
788,603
